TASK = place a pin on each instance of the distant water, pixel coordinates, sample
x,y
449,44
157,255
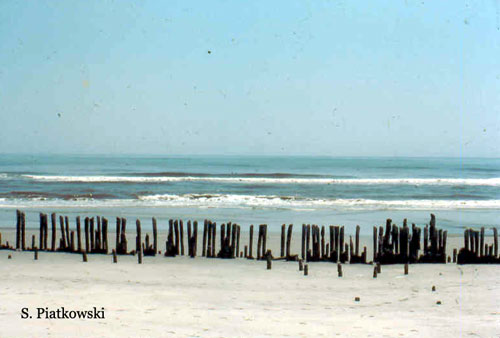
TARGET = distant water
x,y
255,189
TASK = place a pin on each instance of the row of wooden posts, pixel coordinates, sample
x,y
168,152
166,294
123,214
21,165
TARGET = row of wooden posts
x,y
395,245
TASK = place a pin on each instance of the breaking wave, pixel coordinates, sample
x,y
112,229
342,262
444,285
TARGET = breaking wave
x,y
253,201
495,182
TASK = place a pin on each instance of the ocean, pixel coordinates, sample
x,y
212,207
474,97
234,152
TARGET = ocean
x,y
462,192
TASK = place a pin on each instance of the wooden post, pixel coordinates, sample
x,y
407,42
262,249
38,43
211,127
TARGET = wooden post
x,y
454,255
481,246
115,258
78,234
92,234
176,231
189,236
406,268
374,243
357,240
308,240
98,235
282,252
264,240
67,229
301,265
118,236
23,230
155,237
105,235
323,252
203,251
40,233
32,242
233,240
84,256
214,237
54,227
269,262
251,242
339,270
223,234
36,255
246,251
181,226
303,242
87,241
138,241
341,239
495,242
289,241
63,233
123,236
306,270
476,243
375,272
18,229
195,241
238,228
466,239
259,242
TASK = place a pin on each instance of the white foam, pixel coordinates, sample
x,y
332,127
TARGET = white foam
x,y
263,180
250,201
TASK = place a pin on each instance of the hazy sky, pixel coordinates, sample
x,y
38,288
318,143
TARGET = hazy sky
x,y
342,78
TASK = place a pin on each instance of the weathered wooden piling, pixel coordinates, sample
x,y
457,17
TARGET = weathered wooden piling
x,y
269,262
117,234
18,229
374,243
214,237
54,231
105,235
481,246
115,258
406,268
306,270
303,242
323,252
78,234
98,234
155,236
23,231
282,251
138,238
35,255
203,250
87,239
238,229
495,242
181,228
301,265
289,242
40,232
308,240
177,238
66,221
92,234
339,270
250,244
259,243
357,240
195,238
84,256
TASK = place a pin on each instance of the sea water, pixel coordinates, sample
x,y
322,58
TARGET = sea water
x,y
462,192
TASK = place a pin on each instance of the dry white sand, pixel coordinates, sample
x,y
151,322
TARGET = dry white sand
x,y
183,297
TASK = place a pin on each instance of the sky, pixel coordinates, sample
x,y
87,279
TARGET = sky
x,y
331,78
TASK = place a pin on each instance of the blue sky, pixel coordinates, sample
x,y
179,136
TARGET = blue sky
x,y
336,78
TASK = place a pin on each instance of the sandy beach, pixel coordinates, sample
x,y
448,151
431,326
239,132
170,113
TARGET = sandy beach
x,y
203,297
